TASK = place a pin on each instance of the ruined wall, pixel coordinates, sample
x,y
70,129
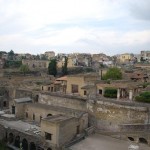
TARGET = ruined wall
x,y
108,115
74,103
67,131
20,93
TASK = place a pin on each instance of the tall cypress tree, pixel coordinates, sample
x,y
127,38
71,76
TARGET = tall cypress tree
x,y
52,68
64,67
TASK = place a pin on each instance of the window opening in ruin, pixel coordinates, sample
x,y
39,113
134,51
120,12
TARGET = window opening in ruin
x,y
78,129
26,115
49,115
13,109
100,91
52,89
37,98
131,138
33,116
85,92
74,88
48,136
142,140
4,104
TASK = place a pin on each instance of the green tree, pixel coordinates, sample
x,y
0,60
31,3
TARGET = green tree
x,y
11,55
24,69
64,66
52,68
113,73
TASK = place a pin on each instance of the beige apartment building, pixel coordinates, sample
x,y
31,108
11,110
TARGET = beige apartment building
x,y
126,57
78,84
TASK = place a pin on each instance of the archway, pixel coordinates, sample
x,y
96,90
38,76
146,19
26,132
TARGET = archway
x,y
49,115
10,138
49,148
24,144
131,138
143,140
32,146
17,141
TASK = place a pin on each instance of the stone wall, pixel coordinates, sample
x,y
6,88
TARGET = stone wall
x,y
108,115
69,102
20,93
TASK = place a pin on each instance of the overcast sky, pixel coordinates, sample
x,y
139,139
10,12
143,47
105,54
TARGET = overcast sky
x,y
66,26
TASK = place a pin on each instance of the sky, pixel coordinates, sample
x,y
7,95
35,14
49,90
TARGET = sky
x,y
68,26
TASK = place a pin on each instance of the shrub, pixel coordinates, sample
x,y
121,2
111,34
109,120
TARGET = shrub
x,y
143,97
110,92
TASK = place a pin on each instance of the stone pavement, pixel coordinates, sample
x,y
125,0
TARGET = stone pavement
x,y
101,142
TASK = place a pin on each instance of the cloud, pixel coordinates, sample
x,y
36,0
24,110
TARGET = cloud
x,y
110,26
140,9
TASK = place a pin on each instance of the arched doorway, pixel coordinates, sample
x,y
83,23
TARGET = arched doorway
x,y
49,148
143,140
24,144
49,115
10,138
17,142
32,146
131,138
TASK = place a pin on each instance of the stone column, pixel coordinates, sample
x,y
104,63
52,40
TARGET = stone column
x,y
118,94
130,95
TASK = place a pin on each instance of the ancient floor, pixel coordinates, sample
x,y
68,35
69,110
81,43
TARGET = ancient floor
x,y
101,142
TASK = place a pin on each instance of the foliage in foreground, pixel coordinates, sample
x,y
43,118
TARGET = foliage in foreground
x,y
143,97
110,92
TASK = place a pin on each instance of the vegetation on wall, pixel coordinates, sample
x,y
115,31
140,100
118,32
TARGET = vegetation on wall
x,y
110,92
113,73
24,69
143,97
12,64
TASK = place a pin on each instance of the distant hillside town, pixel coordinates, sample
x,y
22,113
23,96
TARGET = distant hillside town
x,y
52,102
74,59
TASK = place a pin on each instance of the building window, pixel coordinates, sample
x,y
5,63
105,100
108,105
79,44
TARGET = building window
x,y
78,129
48,88
48,136
85,92
4,104
52,89
13,109
26,115
33,116
100,91
74,88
